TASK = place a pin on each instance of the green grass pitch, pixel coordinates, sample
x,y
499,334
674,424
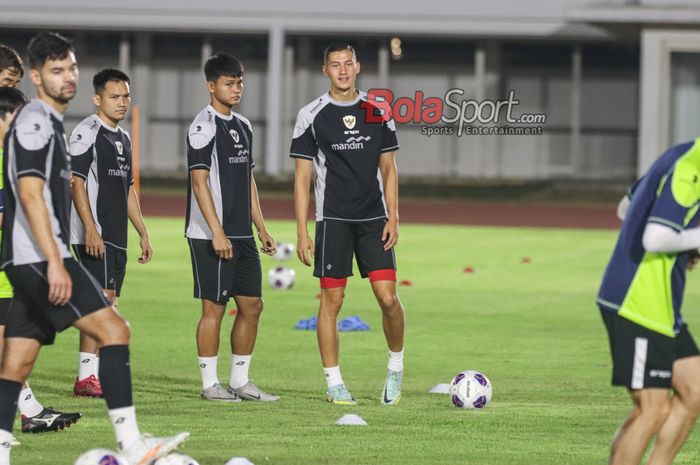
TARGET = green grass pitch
x,y
533,328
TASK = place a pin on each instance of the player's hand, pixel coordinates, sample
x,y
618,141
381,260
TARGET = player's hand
x,y
94,245
222,246
693,259
60,284
146,250
269,247
390,234
305,249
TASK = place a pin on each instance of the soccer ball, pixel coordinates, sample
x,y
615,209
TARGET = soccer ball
x,y
285,250
470,389
100,457
281,277
176,459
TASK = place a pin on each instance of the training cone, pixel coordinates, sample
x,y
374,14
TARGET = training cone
x,y
526,260
442,388
233,311
406,282
469,269
351,419
239,461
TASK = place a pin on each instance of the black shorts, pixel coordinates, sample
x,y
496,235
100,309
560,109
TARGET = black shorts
x,y
336,241
4,309
33,316
109,270
641,357
218,280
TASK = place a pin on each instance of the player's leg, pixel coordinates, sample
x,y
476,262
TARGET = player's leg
x,y
87,383
379,266
642,362
651,409
247,291
685,403
333,265
18,359
207,273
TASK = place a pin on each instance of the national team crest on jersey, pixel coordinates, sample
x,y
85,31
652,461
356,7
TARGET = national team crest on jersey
x,y
349,121
120,147
235,135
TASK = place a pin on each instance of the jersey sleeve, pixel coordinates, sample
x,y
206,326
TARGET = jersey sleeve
x,y
303,141
389,141
33,133
676,201
127,138
249,128
200,142
80,145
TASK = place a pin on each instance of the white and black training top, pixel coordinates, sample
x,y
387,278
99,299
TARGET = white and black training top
x,y
345,148
101,155
36,146
221,144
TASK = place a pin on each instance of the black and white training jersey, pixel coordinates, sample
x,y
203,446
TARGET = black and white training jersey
x,y
36,146
101,155
221,144
345,148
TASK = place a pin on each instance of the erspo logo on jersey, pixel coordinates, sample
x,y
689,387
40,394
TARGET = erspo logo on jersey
x,y
459,116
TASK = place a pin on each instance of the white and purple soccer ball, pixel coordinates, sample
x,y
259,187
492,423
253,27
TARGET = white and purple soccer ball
x,y
470,389
281,277
100,457
285,251
176,459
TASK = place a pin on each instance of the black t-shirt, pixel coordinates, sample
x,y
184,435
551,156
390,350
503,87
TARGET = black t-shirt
x,y
345,148
101,155
221,144
36,147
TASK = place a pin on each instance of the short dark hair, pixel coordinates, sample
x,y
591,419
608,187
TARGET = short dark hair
x,y
47,46
9,58
222,64
10,100
108,75
338,47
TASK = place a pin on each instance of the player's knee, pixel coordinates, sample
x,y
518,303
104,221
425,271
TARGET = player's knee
x,y
655,413
388,302
254,309
118,333
691,399
332,301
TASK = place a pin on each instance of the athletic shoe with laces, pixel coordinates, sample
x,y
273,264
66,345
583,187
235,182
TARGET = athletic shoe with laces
x,y
340,395
250,391
391,394
15,442
217,392
147,449
48,420
87,387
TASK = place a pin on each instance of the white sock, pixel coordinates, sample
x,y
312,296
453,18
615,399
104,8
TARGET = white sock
x,y
395,361
125,427
87,365
5,438
240,364
27,403
207,368
333,377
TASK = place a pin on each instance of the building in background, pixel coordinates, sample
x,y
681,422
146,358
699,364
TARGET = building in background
x,y
617,81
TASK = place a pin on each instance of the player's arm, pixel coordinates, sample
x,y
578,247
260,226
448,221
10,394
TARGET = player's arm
x,y
94,245
268,243
303,171
202,193
136,218
390,177
31,197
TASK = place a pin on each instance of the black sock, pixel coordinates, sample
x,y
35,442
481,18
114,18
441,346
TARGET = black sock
x,y
115,376
9,392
